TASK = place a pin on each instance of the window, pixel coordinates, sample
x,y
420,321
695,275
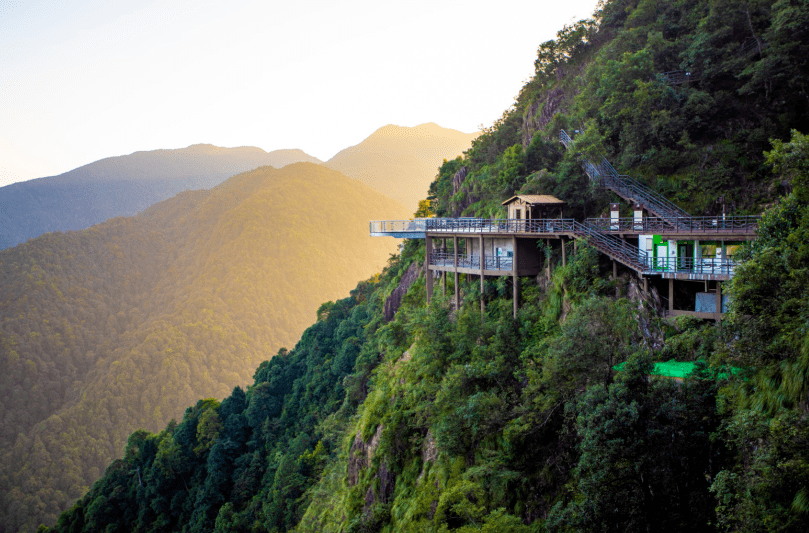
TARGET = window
x,y
708,250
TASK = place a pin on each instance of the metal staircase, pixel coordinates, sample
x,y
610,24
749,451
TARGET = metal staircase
x,y
604,175
615,248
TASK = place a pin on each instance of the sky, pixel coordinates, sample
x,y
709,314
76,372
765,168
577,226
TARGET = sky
x,y
81,81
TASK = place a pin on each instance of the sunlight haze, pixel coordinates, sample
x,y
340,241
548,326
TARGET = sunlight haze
x,y
81,81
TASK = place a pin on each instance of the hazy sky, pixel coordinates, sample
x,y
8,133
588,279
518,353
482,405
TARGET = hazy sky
x,y
80,81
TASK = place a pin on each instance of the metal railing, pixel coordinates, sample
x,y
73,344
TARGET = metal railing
x,y
677,77
511,225
446,259
630,255
743,225
604,175
472,225
690,265
384,227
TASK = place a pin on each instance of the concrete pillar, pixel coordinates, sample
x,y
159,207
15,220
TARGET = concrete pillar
x,y
516,280
455,268
615,278
564,252
671,294
645,285
444,283
427,272
482,268
718,300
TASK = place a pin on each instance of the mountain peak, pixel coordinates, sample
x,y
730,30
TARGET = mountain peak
x,y
421,130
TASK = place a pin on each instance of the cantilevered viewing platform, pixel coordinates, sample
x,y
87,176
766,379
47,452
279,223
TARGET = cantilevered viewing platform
x,y
695,249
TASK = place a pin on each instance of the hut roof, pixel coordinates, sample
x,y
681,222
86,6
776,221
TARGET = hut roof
x,y
536,199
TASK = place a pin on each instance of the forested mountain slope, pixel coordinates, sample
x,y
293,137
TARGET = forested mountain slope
x,y
448,419
400,162
119,326
620,81
122,186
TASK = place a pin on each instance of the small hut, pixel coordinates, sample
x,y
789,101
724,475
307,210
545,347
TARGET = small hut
x,y
534,206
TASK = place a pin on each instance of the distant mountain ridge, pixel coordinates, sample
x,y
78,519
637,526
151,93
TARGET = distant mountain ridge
x,y
122,186
401,162
119,326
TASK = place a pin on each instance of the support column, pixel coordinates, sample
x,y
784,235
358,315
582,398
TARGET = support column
x,y
444,283
455,268
645,285
564,252
516,279
548,259
671,294
427,272
615,278
482,267
718,300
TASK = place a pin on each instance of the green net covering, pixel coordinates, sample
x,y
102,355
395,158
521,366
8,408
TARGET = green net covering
x,y
676,369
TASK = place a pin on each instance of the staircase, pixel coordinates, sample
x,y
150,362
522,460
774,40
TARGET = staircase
x,y
604,175
615,248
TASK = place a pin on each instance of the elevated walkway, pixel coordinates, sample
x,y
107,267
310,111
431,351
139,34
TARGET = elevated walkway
x,y
717,227
612,246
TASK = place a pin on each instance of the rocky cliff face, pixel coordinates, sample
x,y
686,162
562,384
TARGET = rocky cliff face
x,y
540,113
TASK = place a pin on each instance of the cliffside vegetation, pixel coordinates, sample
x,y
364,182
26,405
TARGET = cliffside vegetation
x,y
457,420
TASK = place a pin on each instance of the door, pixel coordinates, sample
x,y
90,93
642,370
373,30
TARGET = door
x,y
662,256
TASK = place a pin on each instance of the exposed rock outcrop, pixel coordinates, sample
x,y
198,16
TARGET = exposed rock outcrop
x,y
646,302
458,179
393,301
461,201
360,458
361,454
540,113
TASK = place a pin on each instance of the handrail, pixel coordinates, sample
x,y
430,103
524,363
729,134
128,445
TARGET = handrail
x,y
510,225
691,265
473,225
630,255
744,225
494,262
604,175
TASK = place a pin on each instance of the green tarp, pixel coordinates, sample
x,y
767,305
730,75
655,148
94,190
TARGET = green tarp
x,y
676,369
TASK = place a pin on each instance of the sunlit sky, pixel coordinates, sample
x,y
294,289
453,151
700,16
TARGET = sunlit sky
x,y
80,81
